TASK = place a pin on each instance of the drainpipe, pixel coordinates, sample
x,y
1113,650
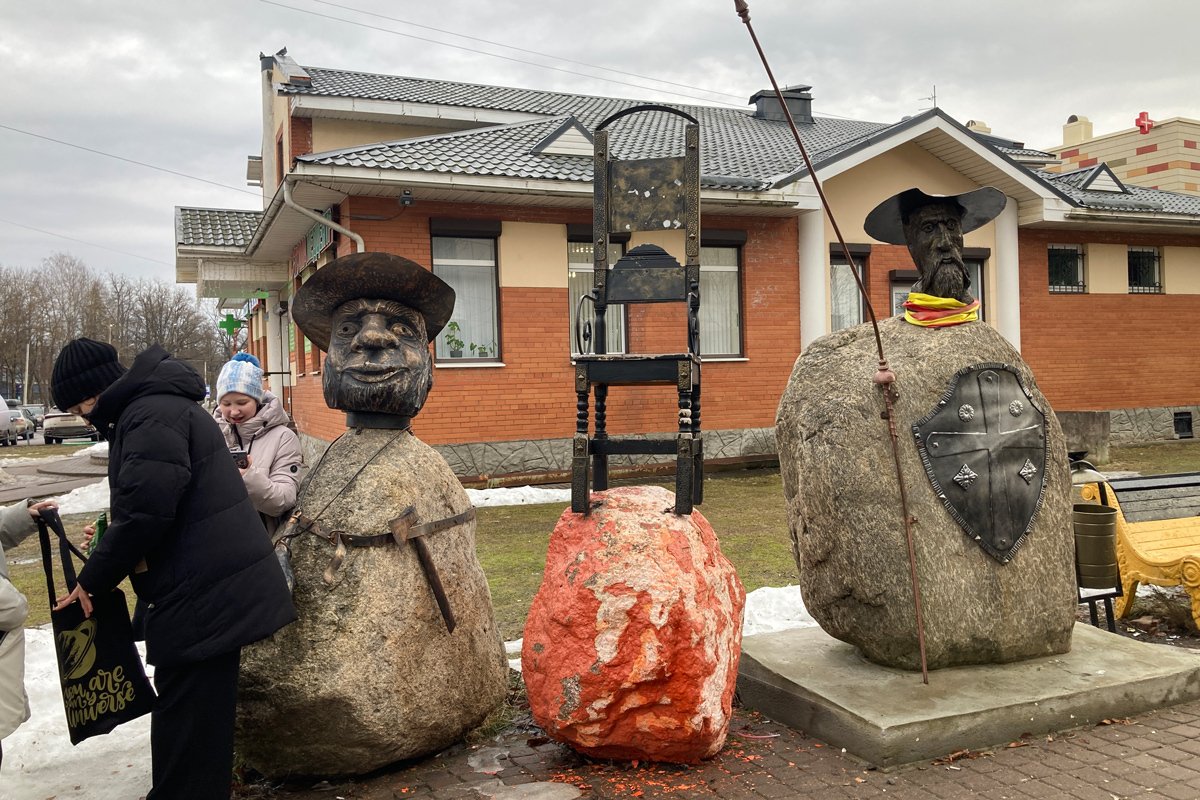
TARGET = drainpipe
x,y
315,217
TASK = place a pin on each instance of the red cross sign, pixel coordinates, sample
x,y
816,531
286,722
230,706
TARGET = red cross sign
x,y
1144,123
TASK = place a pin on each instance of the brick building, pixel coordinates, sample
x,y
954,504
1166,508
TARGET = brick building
x,y
1098,285
1166,156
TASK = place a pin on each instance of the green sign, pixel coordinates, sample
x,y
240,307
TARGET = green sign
x,y
230,324
318,238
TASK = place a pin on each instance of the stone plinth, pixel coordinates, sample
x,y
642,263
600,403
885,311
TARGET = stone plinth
x,y
631,646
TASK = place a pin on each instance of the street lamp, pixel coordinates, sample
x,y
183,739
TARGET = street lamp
x,y
25,382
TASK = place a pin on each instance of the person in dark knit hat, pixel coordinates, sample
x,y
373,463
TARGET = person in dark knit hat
x,y
186,534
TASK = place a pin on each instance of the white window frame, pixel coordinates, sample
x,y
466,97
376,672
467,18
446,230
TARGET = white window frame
x,y
706,320
839,272
441,349
615,315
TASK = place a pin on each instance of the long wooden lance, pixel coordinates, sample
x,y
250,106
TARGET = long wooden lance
x,y
884,378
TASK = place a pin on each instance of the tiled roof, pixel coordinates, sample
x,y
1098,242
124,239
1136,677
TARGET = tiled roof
x,y
1135,198
745,152
1026,152
215,227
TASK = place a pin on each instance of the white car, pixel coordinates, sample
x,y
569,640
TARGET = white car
x,y
61,425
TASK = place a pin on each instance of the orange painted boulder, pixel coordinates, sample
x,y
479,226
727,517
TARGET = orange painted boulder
x,y
631,647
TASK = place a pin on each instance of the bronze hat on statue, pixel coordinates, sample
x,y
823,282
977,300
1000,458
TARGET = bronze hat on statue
x,y
979,207
377,275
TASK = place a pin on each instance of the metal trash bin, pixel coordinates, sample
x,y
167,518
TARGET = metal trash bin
x,y
1095,545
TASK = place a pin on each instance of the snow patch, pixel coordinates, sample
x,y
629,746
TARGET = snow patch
x,y
518,496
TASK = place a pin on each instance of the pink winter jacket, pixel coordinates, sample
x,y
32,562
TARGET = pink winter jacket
x,y
276,465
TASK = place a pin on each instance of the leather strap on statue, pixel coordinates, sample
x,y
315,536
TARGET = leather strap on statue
x,y
403,529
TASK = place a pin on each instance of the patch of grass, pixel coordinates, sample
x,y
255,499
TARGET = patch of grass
x,y
24,450
746,510
1159,458
25,569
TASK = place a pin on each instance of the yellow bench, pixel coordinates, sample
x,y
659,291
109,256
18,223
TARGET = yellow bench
x,y
1158,533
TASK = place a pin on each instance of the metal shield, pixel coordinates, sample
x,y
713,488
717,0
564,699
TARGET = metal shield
x,y
984,450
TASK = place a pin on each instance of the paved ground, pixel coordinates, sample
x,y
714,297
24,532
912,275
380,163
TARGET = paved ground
x,y
1154,755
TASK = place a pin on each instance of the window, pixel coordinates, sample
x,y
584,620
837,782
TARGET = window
x,y
580,263
846,303
720,302
1065,263
469,266
975,273
1144,273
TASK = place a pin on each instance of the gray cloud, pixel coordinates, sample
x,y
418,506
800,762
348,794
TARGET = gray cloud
x,y
176,84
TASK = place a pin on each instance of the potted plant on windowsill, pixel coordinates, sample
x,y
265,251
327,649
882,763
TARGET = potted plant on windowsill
x,y
453,343
479,350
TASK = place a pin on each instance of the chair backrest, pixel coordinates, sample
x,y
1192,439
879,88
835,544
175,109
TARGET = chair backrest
x,y
649,194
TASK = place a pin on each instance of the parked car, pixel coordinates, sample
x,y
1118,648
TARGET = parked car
x,y
35,421
22,425
37,411
8,429
67,426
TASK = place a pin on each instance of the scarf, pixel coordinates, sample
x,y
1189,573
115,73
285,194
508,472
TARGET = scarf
x,y
938,312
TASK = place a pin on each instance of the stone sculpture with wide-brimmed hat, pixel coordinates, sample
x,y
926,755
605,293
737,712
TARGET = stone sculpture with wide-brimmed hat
x,y
395,653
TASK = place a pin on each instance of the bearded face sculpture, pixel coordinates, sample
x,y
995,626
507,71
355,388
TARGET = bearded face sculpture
x,y
378,358
932,227
934,236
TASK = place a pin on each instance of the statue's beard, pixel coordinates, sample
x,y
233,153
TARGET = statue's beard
x,y
403,395
948,278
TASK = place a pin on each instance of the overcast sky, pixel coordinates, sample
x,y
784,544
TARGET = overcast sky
x,y
175,84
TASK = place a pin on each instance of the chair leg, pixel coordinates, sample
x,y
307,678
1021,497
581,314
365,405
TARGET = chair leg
x,y
1125,601
1108,615
1092,613
600,460
580,497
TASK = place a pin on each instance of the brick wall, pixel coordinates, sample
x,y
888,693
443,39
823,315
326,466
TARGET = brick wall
x,y
532,396
1107,351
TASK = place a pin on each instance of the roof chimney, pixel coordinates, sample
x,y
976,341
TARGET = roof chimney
x,y
978,126
1077,130
799,104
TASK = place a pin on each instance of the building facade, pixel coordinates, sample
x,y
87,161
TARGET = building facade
x,y
490,187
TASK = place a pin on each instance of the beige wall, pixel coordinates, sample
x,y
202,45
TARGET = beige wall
x,y
1107,268
335,134
1181,270
533,254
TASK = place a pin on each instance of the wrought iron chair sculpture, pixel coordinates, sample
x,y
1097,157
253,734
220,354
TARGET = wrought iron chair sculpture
x,y
640,195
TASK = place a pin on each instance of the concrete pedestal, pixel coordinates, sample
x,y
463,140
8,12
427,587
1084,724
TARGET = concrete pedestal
x,y
812,682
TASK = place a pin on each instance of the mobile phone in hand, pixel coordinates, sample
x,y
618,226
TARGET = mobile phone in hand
x,y
240,458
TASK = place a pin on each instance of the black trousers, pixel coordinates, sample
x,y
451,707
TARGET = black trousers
x,y
191,729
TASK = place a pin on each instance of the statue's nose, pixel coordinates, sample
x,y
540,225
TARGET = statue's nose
x,y
374,335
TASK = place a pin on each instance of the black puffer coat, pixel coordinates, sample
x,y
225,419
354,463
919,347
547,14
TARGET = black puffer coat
x,y
182,525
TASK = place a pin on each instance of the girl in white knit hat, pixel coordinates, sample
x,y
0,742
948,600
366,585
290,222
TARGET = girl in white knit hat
x,y
257,433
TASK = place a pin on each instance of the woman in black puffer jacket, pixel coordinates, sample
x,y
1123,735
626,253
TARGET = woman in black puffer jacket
x,y
185,532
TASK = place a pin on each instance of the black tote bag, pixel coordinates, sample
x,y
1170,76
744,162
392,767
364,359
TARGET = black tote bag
x,y
103,681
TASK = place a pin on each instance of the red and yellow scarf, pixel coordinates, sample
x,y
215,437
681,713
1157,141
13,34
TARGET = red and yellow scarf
x,y
938,312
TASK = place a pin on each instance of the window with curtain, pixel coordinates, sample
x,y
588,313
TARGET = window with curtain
x,y
720,302
469,266
580,263
975,273
845,301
